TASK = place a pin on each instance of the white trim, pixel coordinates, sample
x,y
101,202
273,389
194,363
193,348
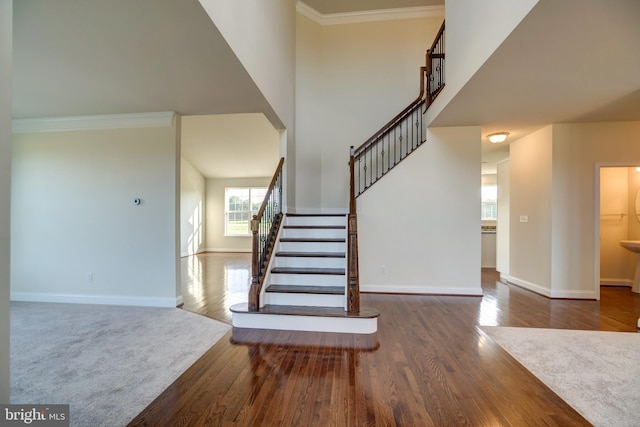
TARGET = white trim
x,y
412,289
105,121
529,286
551,293
604,281
369,15
97,299
239,250
574,294
345,325
186,254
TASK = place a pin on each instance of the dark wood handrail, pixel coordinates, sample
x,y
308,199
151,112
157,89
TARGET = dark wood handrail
x,y
272,185
388,146
437,39
398,118
264,231
435,53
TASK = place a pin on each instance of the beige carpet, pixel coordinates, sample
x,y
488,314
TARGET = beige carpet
x,y
107,362
597,373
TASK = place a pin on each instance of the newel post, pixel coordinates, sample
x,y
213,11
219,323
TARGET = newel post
x,y
353,284
254,290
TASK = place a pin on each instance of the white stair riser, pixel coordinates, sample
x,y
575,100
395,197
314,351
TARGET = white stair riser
x,y
309,262
316,220
308,279
309,300
305,323
325,233
312,247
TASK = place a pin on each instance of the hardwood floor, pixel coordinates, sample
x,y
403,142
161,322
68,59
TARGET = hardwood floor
x,y
429,364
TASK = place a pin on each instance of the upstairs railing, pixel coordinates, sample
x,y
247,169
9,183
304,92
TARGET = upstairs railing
x,y
385,149
406,131
264,228
435,67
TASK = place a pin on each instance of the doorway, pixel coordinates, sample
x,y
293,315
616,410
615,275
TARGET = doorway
x,y
618,200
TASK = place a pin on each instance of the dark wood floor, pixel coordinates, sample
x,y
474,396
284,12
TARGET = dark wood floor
x,y
433,365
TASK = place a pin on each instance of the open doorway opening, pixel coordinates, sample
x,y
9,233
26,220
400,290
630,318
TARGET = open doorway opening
x,y
619,221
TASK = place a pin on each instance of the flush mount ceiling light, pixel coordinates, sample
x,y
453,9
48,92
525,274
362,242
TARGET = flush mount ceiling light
x,y
498,137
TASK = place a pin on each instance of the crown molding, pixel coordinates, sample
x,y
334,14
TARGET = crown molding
x,y
105,121
369,15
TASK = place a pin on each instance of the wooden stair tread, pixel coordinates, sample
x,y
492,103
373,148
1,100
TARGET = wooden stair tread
x,y
307,270
303,289
296,310
313,239
312,254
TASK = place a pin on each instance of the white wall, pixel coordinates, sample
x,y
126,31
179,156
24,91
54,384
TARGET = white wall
x,y
262,34
577,149
351,80
530,196
216,241
554,175
192,209
73,214
474,30
6,23
503,222
419,227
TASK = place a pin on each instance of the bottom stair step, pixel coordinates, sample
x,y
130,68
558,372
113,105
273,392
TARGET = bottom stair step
x,y
303,318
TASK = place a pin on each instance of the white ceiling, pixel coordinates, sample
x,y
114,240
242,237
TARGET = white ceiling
x,y
579,60
231,145
342,6
78,57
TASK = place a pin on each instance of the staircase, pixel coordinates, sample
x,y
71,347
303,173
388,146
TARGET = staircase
x,y
305,284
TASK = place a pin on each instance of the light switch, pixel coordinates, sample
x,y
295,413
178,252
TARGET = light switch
x,y
524,218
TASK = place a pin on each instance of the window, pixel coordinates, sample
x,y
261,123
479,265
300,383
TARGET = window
x,y
240,204
489,200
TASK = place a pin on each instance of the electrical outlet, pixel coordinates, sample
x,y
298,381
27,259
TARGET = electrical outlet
x,y
89,277
383,269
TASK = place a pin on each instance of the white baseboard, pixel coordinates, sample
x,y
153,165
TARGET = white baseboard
x,y
97,299
186,254
569,294
411,289
241,250
605,281
528,285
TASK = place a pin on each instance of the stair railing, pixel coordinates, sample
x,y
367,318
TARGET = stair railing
x,y
435,67
406,131
385,149
264,228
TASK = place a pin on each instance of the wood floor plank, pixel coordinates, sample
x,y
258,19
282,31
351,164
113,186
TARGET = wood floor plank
x,y
432,364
